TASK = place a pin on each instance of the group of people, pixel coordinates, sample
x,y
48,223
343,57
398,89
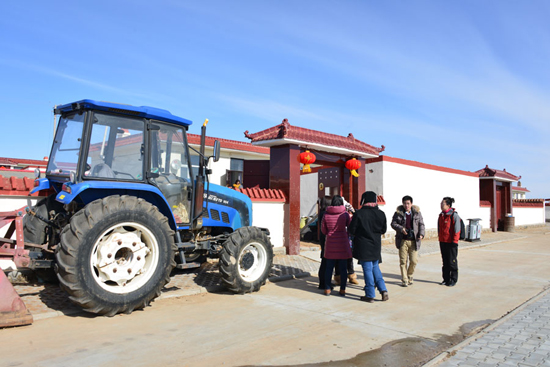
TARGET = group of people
x,y
347,234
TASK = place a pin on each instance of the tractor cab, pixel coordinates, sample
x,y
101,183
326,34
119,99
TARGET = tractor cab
x,y
98,141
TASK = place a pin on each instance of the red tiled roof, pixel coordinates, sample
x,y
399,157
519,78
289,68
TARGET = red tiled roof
x,y
270,195
489,172
289,132
519,188
16,186
4,161
227,144
528,203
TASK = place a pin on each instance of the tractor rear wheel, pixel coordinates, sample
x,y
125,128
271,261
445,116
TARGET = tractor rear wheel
x,y
116,255
246,259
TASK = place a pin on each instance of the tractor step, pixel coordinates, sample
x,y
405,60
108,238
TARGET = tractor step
x,y
191,265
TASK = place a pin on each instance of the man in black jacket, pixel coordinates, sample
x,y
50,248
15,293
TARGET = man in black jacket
x,y
367,226
409,232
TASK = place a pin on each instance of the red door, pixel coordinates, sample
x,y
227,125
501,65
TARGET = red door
x,y
500,209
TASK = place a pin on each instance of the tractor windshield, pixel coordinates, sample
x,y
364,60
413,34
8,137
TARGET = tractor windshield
x,y
66,146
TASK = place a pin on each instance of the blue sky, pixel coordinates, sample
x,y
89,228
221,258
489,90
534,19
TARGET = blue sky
x,y
459,84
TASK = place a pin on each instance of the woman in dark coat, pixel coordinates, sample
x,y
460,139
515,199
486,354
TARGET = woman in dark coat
x,y
367,227
337,247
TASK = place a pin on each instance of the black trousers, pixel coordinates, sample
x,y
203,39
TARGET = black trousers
x,y
349,267
449,253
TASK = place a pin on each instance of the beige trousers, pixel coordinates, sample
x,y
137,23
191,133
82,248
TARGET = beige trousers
x,y
407,251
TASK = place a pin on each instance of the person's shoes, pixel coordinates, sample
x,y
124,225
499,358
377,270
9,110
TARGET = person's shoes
x,y
404,284
337,279
367,299
385,296
443,283
327,292
352,278
410,281
342,292
323,287
451,283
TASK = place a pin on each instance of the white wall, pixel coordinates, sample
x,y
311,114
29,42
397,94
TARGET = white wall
x,y
527,216
547,211
219,168
485,218
308,194
270,215
9,203
427,187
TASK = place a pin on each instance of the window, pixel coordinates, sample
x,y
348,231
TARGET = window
x,y
235,172
66,145
116,148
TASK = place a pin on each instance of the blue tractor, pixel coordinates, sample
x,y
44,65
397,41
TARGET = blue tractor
x,y
125,206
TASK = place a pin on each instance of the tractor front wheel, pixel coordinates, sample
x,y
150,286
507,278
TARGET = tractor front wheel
x,y
246,259
116,255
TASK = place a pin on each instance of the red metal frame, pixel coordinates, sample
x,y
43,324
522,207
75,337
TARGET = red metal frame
x,y
10,249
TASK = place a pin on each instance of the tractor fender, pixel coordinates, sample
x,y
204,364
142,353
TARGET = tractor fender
x,y
86,192
40,184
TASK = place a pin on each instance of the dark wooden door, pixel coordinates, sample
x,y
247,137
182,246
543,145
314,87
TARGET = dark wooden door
x,y
500,208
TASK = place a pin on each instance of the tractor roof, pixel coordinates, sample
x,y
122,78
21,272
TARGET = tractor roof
x,y
142,111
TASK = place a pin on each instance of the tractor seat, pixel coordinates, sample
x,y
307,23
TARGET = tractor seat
x,y
102,170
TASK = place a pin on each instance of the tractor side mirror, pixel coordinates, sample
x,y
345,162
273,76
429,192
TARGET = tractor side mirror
x,y
217,147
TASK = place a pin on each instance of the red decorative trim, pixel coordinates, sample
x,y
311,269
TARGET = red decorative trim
x,y
484,203
528,203
263,195
385,158
380,200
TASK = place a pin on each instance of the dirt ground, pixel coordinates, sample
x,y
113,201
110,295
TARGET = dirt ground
x,y
291,323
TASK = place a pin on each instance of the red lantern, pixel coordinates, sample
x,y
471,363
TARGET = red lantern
x,y
353,165
306,158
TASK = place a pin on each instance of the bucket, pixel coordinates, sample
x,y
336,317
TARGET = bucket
x,y
509,224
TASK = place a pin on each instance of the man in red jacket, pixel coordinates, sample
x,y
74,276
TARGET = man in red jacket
x,y
448,228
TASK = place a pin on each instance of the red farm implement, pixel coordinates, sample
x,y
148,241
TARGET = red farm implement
x,y
12,255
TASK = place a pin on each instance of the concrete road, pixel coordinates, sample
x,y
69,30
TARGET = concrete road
x,y
291,323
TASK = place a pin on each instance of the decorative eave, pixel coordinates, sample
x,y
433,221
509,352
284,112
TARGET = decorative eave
x,y
495,174
519,189
285,133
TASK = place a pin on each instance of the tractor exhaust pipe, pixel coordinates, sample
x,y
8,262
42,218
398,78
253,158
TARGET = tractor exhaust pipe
x,y
199,185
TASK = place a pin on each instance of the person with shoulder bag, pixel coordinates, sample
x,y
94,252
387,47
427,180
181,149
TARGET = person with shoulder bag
x,y
448,229
334,227
409,227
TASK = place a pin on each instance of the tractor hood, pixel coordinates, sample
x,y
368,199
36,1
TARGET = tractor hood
x,y
233,208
